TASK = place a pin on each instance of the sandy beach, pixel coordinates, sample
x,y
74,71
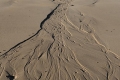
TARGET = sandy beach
x,y
59,40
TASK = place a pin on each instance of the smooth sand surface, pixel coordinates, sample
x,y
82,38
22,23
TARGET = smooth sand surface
x,y
20,19
104,17
74,40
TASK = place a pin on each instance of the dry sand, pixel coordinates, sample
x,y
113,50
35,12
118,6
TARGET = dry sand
x,y
20,19
77,40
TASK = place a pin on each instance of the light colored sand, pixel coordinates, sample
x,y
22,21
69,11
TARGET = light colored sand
x,y
71,45
20,19
104,17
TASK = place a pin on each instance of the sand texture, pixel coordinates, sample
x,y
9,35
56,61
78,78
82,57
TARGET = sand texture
x,y
66,47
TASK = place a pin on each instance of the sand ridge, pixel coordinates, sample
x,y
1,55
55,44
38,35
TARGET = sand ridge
x,y
60,50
